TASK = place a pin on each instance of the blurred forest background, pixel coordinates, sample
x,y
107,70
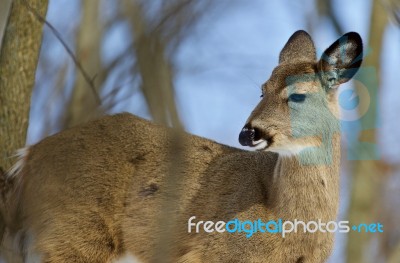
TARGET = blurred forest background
x,y
199,65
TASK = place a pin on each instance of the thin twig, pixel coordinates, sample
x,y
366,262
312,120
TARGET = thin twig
x,y
393,10
89,80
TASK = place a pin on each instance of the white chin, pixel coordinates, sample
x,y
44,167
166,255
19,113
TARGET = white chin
x,y
288,151
260,145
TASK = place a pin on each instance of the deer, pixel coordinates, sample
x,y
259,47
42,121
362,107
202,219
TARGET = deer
x,y
95,192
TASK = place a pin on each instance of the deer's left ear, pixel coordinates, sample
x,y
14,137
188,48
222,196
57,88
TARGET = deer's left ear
x,y
341,60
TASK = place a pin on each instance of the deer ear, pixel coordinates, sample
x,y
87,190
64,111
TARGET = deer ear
x,y
299,47
341,60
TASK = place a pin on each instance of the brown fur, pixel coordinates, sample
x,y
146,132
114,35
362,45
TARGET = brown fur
x,y
94,192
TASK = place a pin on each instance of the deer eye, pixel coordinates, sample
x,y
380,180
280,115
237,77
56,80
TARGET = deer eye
x,y
262,95
297,97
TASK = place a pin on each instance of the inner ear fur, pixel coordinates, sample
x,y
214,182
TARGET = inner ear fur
x,y
341,61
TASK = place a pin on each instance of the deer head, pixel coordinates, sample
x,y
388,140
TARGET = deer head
x,y
299,108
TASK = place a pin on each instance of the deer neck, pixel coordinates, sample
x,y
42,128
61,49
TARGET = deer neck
x,y
306,185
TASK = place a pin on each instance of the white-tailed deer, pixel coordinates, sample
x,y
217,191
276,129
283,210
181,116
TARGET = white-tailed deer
x,y
94,193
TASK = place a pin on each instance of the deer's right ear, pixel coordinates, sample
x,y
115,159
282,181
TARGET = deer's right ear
x,y
341,60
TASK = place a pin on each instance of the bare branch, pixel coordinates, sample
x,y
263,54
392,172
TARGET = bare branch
x,y
392,7
88,79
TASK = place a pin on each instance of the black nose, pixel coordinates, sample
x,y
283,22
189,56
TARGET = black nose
x,y
246,136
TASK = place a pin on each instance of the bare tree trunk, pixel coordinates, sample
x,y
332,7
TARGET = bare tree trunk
x,y
394,257
366,180
155,69
18,61
83,104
